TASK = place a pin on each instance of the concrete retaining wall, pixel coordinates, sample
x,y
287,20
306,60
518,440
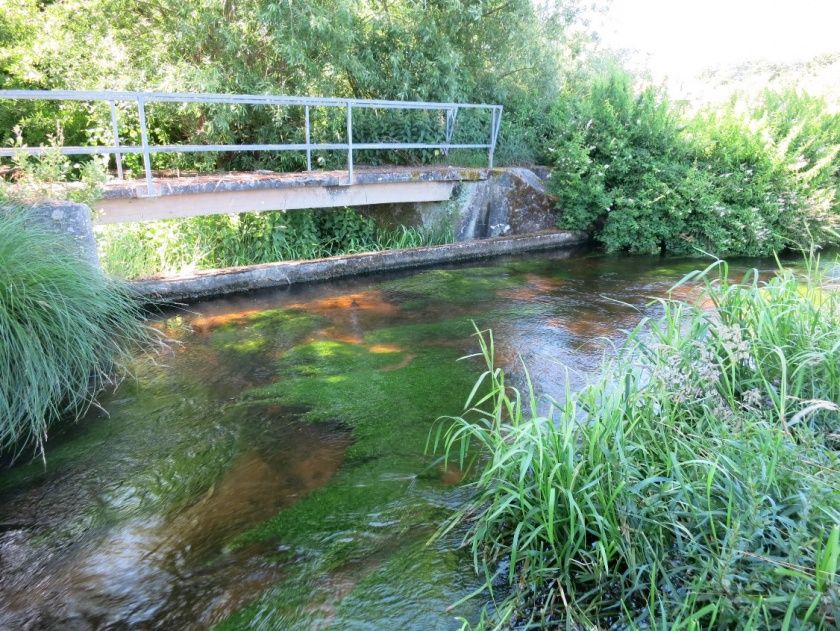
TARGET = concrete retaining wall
x,y
217,282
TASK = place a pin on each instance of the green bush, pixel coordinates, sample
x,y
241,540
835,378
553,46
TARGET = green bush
x,y
692,485
633,170
214,241
65,331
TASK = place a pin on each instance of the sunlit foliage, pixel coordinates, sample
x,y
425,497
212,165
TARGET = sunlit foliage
x,y
643,176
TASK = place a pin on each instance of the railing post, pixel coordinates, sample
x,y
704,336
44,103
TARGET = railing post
x,y
308,148
349,143
116,133
144,141
495,123
451,116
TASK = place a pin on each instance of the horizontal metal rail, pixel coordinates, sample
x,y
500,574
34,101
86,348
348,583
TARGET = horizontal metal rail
x,y
146,149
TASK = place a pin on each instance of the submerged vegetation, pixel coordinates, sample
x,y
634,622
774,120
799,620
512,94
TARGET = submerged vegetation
x,y
692,485
384,494
65,331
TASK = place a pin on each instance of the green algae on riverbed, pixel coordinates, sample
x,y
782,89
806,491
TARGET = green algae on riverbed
x,y
260,332
374,388
450,287
387,498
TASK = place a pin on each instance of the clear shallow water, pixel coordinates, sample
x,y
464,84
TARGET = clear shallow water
x,y
269,471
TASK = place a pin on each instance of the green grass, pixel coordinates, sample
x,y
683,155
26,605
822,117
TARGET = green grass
x,y
181,245
65,331
692,485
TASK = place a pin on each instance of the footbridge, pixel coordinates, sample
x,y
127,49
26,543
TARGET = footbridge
x,y
164,194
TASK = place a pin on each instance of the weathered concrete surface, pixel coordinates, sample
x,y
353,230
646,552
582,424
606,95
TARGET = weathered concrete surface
x,y
217,282
273,199
166,184
70,220
541,172
511,201
128,201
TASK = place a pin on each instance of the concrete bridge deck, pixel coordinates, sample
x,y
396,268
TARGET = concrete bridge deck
x,y
205,194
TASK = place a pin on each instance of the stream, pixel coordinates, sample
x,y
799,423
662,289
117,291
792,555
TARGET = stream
x,y
270,469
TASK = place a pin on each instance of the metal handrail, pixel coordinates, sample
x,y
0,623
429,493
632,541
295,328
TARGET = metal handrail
x,y
146,149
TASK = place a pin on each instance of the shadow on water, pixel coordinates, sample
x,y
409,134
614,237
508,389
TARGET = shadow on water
x,y
270,469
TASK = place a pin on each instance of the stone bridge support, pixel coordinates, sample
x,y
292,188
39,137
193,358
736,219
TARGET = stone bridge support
x,y
70,221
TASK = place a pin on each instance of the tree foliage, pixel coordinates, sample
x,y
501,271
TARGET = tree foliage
x,y
499,51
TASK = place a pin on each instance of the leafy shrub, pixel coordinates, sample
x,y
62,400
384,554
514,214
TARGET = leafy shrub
x,y
47,176
630,169
65,329
692,485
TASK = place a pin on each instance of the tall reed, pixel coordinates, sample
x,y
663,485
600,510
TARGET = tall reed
x,y
65,330
694,484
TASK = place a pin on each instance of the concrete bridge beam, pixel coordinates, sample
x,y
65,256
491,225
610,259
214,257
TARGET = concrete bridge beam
x,y
190,204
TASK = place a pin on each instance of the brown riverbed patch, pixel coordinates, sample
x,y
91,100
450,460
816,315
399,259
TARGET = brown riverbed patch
x,y
336,307
586,328
253,489
451,474
533,287
401,364
202,325
135,571
335,334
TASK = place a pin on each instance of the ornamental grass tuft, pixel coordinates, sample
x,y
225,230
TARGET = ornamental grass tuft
x,y
66,330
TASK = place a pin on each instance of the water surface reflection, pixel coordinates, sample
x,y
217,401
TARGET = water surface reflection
x,y
269,470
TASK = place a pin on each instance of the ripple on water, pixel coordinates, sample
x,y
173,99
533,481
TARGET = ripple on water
x,y
271,467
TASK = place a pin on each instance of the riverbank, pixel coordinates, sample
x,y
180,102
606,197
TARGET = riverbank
x,y
692,484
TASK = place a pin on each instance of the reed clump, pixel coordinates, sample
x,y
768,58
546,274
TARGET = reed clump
x,y
66,330
695,484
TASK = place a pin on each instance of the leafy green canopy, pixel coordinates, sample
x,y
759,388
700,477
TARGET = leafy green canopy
x,y
501,51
